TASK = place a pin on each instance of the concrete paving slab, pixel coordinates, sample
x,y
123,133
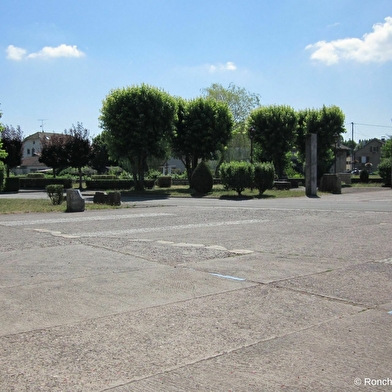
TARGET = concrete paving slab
x,y
167,253
84,283
368,284
267,267
112,351
345,354
29,267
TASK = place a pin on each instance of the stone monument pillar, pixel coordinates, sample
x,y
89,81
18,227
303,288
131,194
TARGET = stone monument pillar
x,y
311,165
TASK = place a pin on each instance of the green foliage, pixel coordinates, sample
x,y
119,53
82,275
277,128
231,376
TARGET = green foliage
x,y
239,100
237,176
137,123
364,176
149,184
264,175
3,153
386,149
204,126
72,172
153,174
12,140
103,177
12,184
164,181
53,151
325,122
384,170
100,159
55,193
275,132
1,175
109,184
202,180
78,148
41,183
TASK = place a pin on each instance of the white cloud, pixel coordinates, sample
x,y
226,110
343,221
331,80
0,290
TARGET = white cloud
x,y
14,53
373,47
17,54
59,51
229,66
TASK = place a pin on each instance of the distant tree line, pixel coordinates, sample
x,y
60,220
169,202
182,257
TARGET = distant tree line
x,y
142,122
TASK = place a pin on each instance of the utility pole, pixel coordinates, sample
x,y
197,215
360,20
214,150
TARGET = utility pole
x,y
352,147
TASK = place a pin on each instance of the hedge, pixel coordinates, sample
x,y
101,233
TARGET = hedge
x,y
109,184
42,183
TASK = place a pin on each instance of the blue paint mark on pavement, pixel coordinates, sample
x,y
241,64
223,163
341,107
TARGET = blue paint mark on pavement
x,y
227,277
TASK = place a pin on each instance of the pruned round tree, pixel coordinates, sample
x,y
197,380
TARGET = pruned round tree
x,y
137,122
204,126
78,148
326,123
275,132
53,151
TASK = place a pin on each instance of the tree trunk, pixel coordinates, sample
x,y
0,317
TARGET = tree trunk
x,y
188,169
221,160
80,178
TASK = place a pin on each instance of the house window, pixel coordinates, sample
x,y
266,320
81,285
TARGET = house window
x,y
28,151
365,159
33,151
33,141
373,148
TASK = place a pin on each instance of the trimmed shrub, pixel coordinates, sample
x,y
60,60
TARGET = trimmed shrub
x,y
364,176
202,180
149,184
104,177
237,176
164,181
1,175
55,193
12,184
35,175
108,184
384,170
264,175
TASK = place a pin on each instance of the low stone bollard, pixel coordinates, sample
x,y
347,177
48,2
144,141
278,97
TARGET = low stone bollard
x,y
330,183
100,198
114,198
75,201
111,198
282,185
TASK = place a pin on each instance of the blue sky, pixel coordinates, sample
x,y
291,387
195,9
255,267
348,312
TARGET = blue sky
x,y
59,60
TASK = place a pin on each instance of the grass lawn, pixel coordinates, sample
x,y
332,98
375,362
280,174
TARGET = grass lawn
x,y
18,206
22,206
218,192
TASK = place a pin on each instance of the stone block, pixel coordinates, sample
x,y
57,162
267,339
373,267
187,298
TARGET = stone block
x,y
75,201
100,198
330,183
114,198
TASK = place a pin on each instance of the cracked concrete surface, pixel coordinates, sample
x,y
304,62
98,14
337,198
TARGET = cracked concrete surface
x,y
271,296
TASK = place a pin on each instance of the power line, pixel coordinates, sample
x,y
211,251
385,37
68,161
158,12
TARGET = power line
x,y
374,125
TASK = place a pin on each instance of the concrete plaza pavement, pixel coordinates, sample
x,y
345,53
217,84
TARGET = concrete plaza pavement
x,y
200,295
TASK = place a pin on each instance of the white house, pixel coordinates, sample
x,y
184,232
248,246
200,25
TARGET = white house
x,y
31,149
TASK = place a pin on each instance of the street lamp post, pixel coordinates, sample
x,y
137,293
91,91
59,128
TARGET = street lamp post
x,y
252,132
